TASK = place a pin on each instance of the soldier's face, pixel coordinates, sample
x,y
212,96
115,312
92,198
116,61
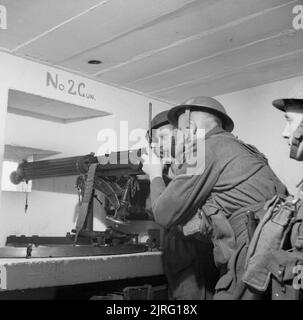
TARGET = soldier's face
x,y
293,116
162,140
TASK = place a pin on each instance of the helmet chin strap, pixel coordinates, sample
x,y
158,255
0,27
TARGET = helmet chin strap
x,y
296,141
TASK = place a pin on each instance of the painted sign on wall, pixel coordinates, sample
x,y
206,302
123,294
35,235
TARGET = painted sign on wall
x,y
70,86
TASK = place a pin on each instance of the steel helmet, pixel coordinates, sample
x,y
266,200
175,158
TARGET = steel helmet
x,y
204,104
159,120
295,95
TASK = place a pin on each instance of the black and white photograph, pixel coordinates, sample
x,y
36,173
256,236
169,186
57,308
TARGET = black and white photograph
x,y
151,150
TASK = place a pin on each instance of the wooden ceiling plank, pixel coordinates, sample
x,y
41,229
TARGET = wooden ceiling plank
x,y
213,77
58,26
285,67
270,48
100,25
27,20
228,40
146,24
285,8
171,33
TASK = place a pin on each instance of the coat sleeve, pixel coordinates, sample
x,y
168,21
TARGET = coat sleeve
x,y
179,201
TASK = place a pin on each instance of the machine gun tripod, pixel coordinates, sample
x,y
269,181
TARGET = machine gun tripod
x,y
117,196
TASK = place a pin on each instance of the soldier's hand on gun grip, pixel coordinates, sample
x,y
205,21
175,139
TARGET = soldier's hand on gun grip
x,y
152,164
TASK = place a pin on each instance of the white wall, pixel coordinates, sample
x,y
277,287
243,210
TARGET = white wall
x,y
259,123
53,213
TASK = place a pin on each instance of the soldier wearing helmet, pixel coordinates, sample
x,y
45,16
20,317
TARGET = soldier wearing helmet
x,y
161,139
188,285
278,240
161,128
211,201
292,106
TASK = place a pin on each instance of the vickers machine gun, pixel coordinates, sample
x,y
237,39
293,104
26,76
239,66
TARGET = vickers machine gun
x,y
119,184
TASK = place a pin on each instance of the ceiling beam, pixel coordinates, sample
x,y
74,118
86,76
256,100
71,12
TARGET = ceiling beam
x,y
217,76
41,35
192,38
217,54
145,25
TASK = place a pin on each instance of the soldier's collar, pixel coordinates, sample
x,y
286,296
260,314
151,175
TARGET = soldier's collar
x,y
215,130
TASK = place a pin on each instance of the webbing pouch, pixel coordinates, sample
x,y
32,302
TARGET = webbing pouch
x,y
297,229
284,267
230,286
222,234
269,236
281,264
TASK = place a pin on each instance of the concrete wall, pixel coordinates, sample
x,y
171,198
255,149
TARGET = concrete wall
x,y
52,212
259,123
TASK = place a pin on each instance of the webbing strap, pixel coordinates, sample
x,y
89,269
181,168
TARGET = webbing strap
x,y
241,223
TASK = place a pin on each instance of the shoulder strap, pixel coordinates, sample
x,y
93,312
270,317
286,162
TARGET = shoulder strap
x,y
259,155
248,147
